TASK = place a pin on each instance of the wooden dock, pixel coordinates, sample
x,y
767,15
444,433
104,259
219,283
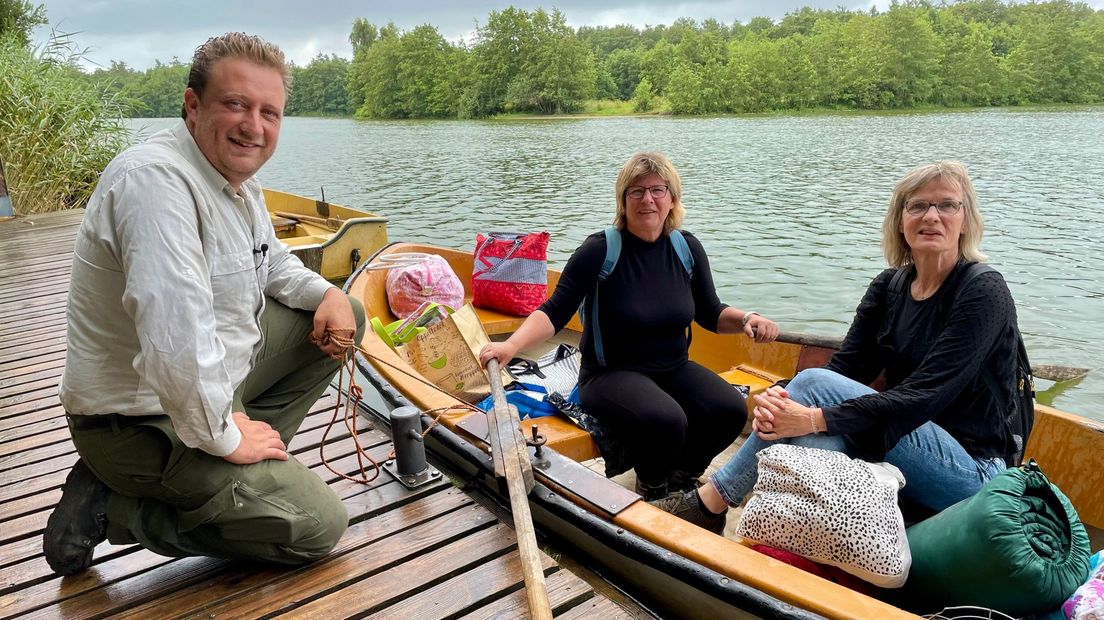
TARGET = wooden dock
x,y
434,552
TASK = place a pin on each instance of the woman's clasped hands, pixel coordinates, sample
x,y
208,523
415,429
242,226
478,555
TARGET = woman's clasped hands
x,y
778,417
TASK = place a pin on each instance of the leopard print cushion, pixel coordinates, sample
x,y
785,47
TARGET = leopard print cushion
x,y
831,509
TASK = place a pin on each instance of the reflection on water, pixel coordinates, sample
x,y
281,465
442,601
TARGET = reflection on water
x,y
788,208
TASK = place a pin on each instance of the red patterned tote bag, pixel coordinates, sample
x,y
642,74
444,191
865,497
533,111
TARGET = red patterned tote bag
x,y
510,273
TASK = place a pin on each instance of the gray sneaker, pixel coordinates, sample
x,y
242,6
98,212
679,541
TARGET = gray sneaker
x,y
685,505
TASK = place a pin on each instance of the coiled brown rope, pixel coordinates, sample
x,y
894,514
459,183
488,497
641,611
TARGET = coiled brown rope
x,y
344,339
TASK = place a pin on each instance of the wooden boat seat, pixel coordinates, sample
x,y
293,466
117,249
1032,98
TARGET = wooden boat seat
x,y
757,380
283,225
495,322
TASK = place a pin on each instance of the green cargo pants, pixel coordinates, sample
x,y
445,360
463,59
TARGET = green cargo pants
x,y
180,501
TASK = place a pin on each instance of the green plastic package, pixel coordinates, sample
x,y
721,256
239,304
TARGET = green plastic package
x,y
1017,546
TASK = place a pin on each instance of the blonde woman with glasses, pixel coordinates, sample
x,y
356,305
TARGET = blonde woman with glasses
x,y
673,415
935,339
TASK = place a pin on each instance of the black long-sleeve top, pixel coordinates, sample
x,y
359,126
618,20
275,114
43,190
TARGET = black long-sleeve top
x,y
932,353
645,306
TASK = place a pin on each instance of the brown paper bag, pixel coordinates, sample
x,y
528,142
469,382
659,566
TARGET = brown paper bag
x,y
447,355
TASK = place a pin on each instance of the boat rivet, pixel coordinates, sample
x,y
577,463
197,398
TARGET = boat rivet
x,y
613,506
620,530
724,581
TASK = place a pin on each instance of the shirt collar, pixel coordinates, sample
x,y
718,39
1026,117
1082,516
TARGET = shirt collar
x,y
191,152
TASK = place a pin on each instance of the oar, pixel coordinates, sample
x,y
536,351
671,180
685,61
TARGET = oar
x,y
1050,372
511,459
329,222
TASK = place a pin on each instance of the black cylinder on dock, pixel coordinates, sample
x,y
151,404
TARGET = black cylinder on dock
x,y
406,434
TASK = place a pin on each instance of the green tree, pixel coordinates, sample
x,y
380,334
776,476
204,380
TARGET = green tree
x,y
684,91
1052,61
798,75
360,75
911,65
643,98
376,72
19,18
624,67
363,35
658,65
529,61
755,71
499,50
425,74
159,91
607,40
319,87
971,74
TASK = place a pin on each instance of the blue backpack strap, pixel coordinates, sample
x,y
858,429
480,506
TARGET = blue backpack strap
x,y
683,250
613,253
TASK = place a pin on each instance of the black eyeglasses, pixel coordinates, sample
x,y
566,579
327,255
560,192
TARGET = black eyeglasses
x,y
657,192
944,207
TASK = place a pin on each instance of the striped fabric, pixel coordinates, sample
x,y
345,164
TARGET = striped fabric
x,y
510,272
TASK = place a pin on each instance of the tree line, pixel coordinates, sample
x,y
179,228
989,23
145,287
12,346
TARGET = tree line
x,y
915,54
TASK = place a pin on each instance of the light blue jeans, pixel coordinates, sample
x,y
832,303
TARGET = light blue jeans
x,y
938,471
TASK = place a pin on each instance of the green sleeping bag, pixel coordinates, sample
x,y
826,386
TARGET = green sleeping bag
x,y
1016,546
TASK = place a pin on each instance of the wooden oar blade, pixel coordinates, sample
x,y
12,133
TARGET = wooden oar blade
x,y
1051,372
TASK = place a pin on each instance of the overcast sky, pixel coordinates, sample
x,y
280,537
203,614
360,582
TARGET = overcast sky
x,y
141,31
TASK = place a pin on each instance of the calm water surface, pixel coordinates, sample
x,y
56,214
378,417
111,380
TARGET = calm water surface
x,y
789,208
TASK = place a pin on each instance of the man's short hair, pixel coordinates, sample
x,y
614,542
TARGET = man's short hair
x,y
234,45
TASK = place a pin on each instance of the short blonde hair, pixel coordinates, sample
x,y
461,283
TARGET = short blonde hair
x,y
235,45
896,249
642,164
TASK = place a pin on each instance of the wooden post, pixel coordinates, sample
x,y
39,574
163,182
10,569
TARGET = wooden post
x,y
506,439
7,210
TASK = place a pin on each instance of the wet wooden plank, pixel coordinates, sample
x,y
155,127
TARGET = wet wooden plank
x,y
565,591
369,587
484,583
233,582
597,608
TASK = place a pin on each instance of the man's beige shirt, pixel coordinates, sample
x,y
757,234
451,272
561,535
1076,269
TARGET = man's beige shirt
x,y
167,289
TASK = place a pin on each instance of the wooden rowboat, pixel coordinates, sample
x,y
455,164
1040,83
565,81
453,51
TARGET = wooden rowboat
x,y
680,568
330,239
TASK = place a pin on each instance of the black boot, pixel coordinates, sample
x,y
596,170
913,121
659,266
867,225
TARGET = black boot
x,y
682,480
78,523
651,490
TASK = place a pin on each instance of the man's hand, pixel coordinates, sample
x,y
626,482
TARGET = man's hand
x,y
334,313
259,442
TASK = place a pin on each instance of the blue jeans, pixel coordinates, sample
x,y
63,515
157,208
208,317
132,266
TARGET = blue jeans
x,y
938,471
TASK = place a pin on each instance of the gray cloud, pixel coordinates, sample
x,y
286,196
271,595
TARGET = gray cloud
x,y
139,32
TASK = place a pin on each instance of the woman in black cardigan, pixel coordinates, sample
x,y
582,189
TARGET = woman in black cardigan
x,y
934,339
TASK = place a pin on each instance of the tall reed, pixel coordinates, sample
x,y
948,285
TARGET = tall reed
x,y
58,130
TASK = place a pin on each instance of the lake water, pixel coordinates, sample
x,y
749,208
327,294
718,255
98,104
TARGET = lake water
x,y
789,209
